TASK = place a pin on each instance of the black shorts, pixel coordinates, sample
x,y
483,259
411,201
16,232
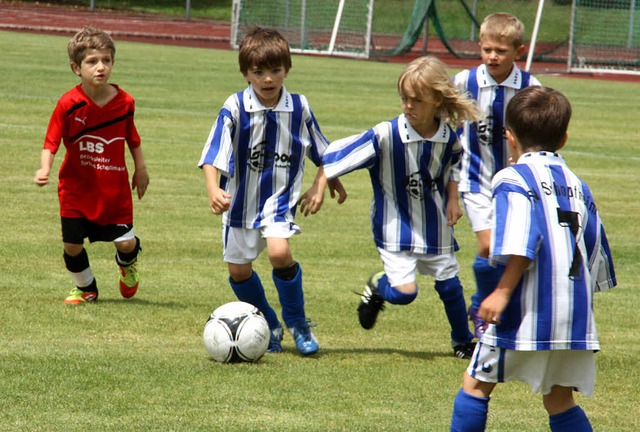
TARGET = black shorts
x,y
75,230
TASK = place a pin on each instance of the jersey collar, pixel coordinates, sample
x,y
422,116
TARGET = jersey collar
x,y
408,134
542,155
514,80
252,103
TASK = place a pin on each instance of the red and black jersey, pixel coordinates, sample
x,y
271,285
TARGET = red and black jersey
x,y
93,180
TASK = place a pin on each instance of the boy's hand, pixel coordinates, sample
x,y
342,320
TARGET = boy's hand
x,y
140,181
311,200
335,185
219,201
42,177
454,212
492,307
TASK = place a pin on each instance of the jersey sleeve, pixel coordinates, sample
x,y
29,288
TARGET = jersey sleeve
x,y
599,258
319,142
218,149
513,232
456,156
133,138
351,153
55,130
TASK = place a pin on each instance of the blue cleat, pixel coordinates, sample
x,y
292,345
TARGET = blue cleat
x,y
276,337
306,341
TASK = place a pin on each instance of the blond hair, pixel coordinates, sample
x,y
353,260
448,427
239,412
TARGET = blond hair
x,y
427,77
503,26
89,38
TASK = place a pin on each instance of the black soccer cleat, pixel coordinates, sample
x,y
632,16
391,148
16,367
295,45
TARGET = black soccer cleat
x,y
464,350
371,304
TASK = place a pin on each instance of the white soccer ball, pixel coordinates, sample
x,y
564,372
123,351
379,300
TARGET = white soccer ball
x,y
236,332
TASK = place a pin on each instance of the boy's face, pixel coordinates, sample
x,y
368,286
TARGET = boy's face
x,y
267,83
95,69
499,56
419,111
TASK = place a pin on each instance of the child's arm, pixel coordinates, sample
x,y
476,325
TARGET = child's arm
x,y
335,185
311,201
454,212
492,307
218,198
140,179
46,162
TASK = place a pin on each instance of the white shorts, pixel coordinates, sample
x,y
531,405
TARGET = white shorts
x,y
479,210
540,369
242,245
401,267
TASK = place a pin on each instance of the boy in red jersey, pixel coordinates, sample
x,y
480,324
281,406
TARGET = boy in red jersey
x,y
94,120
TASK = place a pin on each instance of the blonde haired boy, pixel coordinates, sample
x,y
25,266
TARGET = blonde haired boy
x,y
486,150
412,162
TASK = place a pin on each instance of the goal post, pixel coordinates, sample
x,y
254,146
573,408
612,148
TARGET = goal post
x,y
329,27
605,36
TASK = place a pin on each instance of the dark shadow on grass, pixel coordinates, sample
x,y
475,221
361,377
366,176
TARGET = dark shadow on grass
x,y
135,301
421,355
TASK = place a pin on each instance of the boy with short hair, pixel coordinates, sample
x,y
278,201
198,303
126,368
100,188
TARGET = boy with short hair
x,y
411,161
94,120
548,234
253,163
486,151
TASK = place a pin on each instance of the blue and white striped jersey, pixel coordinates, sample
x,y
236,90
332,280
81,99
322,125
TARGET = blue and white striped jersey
x,y
409,175
544,212
260,154
486,150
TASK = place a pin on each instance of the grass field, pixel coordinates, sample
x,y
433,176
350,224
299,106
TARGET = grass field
x,y
140,364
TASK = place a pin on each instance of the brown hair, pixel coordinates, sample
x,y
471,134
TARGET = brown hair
x,y
263,48
89,38
539,118
428,77
503,26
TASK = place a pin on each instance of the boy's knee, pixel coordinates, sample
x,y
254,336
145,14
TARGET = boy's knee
x,y
395,296
131,246
287,273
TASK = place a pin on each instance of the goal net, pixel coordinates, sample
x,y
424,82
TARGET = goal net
x,y
605,36
330,27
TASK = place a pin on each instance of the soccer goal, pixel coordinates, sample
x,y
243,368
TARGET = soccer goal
x,y
605,36
330,27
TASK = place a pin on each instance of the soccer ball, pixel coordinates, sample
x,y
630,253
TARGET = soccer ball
x,y
236,332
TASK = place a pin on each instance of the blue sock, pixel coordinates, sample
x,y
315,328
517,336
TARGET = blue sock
x,y
487,279
572,420
291,298
252,292
392,295
469,413
452,296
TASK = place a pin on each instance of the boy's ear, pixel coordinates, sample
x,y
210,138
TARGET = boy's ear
x,y
520,51
564,141
513,142
75,68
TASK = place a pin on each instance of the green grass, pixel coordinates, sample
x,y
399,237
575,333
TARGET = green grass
x,y
140,364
